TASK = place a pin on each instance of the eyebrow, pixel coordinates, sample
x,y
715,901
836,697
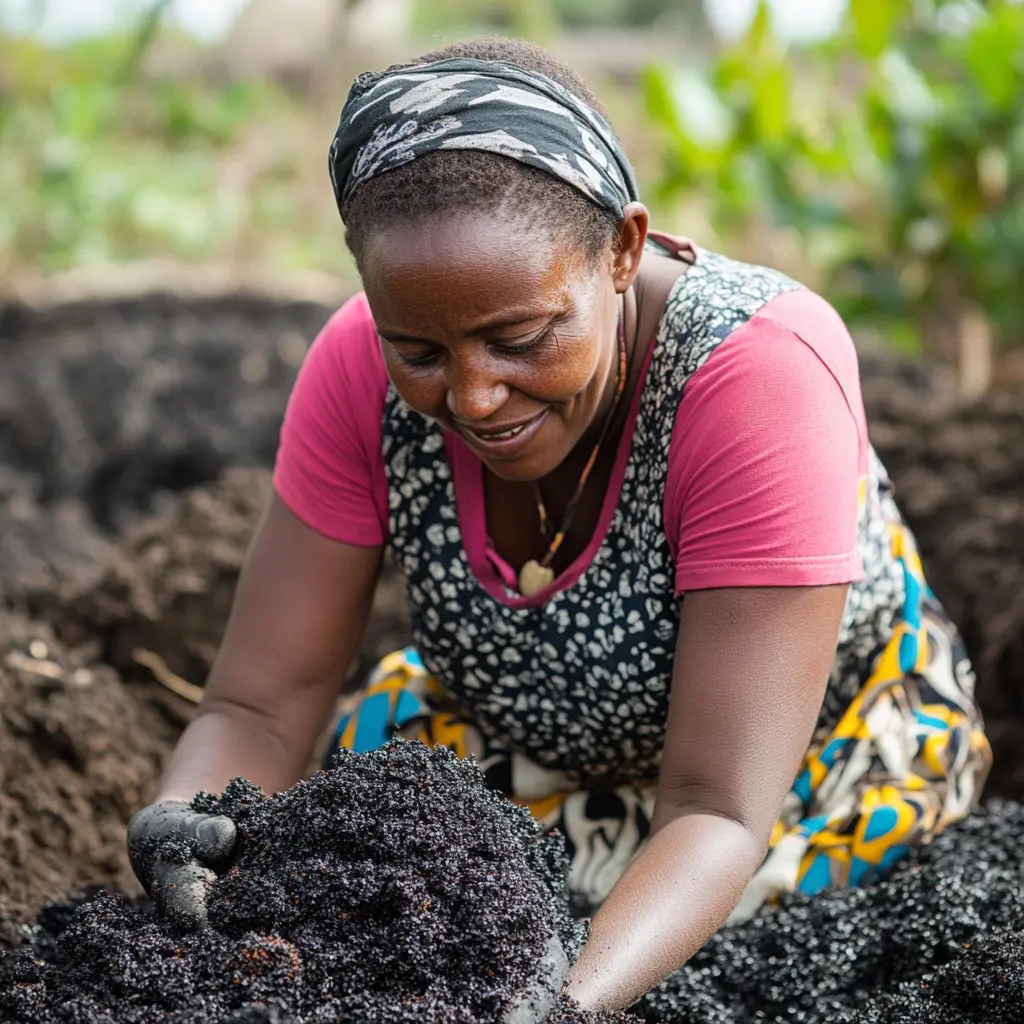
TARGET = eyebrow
x,y
388,336
492,325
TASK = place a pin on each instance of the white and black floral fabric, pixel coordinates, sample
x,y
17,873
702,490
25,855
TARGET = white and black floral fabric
x,y
581,683
400,114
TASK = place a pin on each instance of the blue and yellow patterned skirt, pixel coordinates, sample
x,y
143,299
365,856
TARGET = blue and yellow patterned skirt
x,y
908,756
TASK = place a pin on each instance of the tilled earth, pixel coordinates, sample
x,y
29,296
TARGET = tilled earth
x,y
134,441
78,752
938,942
395,887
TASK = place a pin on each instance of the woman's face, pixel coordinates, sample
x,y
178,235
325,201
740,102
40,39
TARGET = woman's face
x,y
504,335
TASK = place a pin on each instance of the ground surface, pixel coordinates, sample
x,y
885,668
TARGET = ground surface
x,y
134,441
394,888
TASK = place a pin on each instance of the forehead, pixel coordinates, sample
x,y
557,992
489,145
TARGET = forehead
x,y
468,267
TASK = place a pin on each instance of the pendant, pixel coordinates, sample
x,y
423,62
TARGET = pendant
x,y
534,577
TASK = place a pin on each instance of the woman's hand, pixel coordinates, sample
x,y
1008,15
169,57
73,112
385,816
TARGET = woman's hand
x,y
534,1005
173,851
751,668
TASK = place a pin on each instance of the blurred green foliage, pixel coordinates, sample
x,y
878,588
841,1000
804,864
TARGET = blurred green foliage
x,y
537,18
894,151
886,164
100,164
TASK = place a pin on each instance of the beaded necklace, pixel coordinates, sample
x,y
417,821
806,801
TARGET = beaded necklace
x,y
535,576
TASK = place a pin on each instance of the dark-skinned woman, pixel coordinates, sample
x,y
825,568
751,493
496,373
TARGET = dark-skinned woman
x,y
658,583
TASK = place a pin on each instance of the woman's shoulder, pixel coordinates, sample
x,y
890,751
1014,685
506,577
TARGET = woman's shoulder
x,y
720,299
329,469
811,318
786,342
347,343
342,379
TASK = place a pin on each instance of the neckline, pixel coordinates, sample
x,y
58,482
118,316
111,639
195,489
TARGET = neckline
x,y
488,568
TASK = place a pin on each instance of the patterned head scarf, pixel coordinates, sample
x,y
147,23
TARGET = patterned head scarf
x,y
395,116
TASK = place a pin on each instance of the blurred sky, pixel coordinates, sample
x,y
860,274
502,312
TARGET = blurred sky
x,y
60,20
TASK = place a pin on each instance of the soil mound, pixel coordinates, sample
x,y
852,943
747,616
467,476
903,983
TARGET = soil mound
x,y
959,475
118,404
902,951
79,753
395,887
166,585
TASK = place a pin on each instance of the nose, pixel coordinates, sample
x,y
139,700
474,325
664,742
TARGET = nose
x,y
473,394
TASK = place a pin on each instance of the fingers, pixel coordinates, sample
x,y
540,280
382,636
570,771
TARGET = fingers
x,y
170,832
215,839
147,831
182,890
537,1002
157,821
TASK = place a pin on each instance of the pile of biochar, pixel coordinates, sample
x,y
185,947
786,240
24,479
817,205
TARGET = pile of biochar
x,y
938,942
395,887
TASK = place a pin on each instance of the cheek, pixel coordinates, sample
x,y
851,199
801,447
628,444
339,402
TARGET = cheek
x,y
577,358
567,369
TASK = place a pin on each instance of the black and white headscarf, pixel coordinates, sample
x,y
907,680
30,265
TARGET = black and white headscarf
x,y
395,116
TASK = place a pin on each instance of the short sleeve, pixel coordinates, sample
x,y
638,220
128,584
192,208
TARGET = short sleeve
x,y
768,454
330,466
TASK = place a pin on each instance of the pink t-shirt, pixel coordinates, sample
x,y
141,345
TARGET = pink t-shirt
x,y
766,463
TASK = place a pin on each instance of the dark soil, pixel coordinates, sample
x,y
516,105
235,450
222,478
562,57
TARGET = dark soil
x,y
120,404
79,752
903,951
134,444
395,887
166,585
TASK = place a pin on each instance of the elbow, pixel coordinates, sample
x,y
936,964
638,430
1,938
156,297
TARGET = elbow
x,y
684,799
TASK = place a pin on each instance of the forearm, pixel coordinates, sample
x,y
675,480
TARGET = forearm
x,y
670,901
227,741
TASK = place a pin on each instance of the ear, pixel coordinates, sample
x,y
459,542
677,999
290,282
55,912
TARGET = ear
x,y
632,236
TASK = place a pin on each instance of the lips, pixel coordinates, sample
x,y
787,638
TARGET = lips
x,y
503,441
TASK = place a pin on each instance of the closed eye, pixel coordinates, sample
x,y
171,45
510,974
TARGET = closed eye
x,y
434,353
407,353
527,346
424,360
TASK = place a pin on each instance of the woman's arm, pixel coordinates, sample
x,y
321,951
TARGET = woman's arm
x,y
298,616
751,668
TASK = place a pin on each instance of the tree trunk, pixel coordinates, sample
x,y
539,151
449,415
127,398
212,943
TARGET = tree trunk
x,y
974,354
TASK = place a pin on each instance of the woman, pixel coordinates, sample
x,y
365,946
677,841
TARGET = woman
x,y
611,467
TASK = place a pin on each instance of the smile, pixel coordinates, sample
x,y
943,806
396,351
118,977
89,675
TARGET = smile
x,y
514,432
503,443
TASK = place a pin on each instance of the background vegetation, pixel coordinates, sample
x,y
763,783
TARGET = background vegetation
x,y
883,165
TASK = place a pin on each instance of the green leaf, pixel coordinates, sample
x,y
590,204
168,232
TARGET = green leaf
x,y
874,24
993,54
771,106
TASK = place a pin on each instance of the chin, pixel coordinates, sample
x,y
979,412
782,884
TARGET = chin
x,y
526,468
